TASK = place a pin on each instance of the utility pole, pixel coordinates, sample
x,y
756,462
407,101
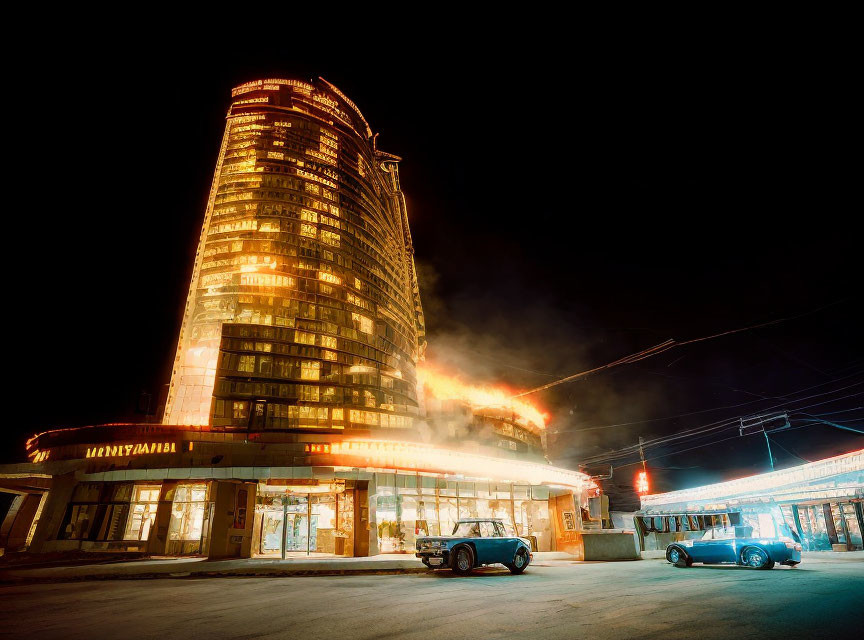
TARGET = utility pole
x,y
768,442
642,454
759,421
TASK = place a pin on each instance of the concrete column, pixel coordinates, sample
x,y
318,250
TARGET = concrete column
x,y
19,527
59,497
233,519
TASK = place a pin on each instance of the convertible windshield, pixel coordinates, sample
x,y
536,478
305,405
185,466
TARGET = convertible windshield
x,y
719,533
467,530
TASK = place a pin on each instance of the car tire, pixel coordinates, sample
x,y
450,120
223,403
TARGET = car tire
x,y
677,557
756,558
462,560
520,562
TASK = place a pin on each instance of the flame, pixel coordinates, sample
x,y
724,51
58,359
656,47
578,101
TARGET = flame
x,y
446,387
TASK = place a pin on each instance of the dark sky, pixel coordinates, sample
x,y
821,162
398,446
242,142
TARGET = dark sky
x,y
568,207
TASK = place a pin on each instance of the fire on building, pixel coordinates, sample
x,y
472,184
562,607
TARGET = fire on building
x,y
164,490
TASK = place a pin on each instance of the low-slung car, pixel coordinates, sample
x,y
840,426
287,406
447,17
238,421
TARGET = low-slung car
x,y
735,545
476,542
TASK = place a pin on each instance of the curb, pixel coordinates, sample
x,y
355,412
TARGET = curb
x,y
14,581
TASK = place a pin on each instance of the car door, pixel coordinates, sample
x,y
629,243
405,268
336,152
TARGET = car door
x,y
490,545
718,545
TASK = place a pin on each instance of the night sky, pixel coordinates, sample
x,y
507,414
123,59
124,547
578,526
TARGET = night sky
x,y
566,210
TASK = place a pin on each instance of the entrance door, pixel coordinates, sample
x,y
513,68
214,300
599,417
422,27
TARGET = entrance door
x,y
295,524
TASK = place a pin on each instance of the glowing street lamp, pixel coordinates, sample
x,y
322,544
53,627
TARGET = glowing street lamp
x,y
642,483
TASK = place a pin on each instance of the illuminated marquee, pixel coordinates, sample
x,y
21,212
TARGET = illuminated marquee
x,y
423,458
129,450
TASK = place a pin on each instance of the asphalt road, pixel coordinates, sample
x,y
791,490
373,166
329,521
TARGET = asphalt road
x,y
557,599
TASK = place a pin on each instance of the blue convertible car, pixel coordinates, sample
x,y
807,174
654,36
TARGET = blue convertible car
x,y
735,545
475,542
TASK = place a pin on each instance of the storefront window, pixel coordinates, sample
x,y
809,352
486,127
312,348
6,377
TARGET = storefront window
x,y
142,512
852,525
187,512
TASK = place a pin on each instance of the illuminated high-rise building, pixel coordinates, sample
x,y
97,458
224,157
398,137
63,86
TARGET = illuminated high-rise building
x,y
303,310
293,423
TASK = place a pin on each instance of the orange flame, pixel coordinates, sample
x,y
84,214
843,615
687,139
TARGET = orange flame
x,y
446,387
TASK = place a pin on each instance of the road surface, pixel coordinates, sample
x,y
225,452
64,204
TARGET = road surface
x,y
556,599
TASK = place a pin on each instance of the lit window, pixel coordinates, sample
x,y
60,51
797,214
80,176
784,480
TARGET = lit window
x,y
308,393
331,238
308,230
308,216
338,414
247,364
310,370
142,512
241,410
329,277
328,355
328,341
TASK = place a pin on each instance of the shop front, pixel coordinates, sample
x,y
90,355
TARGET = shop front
x,y
162,491
304,520
409,506
820,503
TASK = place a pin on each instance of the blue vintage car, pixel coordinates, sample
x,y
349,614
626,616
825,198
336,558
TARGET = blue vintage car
x,y
475,542
735,545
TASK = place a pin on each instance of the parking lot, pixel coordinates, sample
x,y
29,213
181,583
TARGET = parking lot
x,y
553,599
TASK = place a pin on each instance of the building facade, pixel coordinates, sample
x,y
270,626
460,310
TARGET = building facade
x,y
304,309
293,422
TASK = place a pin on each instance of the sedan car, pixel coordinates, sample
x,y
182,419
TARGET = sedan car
x,y
735,545
475,542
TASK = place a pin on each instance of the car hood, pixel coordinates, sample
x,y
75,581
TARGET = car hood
x,y
436,538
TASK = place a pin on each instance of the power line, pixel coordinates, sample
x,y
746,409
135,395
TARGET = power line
x,y
728,406
716,426
713,426
666,346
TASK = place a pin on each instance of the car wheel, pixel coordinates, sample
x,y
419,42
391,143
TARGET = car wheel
x,y
463,561
677,557
520,562
756,558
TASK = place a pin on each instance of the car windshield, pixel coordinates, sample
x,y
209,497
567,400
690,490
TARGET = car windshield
x,y
719,533
467,529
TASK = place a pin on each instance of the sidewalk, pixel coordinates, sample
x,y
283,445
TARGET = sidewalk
x,y
150,568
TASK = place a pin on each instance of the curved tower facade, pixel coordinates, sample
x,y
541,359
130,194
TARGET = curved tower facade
x,y
303,311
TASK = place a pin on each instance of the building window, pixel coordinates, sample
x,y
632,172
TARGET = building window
x,y
187,513
241,410
247,364
310,370
142,512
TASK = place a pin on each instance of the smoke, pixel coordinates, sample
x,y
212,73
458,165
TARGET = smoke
x,y
492,338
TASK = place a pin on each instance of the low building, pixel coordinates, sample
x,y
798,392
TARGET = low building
x,y
168,490
820,502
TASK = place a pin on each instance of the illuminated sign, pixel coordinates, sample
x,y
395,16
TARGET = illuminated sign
x,y
418,457
317,448
642,482
129,450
